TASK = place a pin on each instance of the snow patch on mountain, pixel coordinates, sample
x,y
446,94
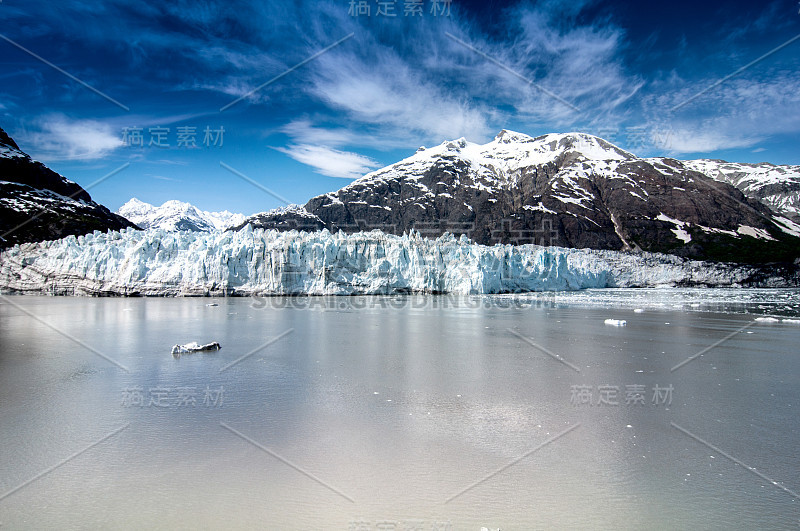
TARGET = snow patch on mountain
x,y
176,215
679,231
8,152
754,232
787,225
8,148
32,201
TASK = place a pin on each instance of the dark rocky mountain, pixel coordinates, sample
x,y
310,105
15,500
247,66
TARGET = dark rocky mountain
x,y
38,204
291,217
570,190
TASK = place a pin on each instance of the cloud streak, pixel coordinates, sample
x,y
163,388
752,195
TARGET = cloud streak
x,y
739,114
330,162
56,137
402,82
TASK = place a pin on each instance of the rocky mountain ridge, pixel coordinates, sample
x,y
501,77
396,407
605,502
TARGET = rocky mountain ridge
x,y
38,204
571,190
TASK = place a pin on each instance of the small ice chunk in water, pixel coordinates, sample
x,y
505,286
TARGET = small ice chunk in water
x,y
194,346
616,322
766,320
791,321
638,310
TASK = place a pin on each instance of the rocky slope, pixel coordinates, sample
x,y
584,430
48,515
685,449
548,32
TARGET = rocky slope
x,y
37,203
176,215
291,217
572,190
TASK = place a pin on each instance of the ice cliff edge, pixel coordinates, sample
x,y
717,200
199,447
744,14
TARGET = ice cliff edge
x,y
268,262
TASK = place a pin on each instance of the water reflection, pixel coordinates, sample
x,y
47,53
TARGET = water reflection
x,y
400,404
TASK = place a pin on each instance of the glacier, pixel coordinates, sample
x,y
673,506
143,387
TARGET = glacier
x,y
267,262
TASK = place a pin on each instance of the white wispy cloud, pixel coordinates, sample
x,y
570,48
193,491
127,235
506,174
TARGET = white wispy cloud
x,y
56,137
399,82
329,161
304,131
705,141
414,84
388,92
739,113
579,62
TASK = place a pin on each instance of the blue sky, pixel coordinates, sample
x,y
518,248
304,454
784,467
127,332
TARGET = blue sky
x,y
626,71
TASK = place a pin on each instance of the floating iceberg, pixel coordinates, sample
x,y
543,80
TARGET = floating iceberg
x,y
268,262
194,346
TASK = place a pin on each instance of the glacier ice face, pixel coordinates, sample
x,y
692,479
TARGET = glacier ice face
x,y
267,262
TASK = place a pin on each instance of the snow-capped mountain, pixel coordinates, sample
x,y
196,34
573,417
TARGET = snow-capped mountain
x,y
571,190
176,216
290,217
37,203
777,186
269,262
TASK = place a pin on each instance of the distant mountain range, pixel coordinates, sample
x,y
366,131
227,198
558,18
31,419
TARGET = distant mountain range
x,y
776,186
570,190
175,216
37,203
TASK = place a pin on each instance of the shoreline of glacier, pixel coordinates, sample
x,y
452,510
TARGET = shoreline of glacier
x,y
271,263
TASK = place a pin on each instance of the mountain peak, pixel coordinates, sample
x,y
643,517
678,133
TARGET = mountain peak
x,y
9,149
457,144
7,140
507,136
177,215
135,202
590,146
571,189
29,191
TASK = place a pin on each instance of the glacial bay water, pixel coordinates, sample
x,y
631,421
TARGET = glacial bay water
x,y
510,412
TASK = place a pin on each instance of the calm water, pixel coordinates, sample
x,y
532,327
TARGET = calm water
x,y
419,411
